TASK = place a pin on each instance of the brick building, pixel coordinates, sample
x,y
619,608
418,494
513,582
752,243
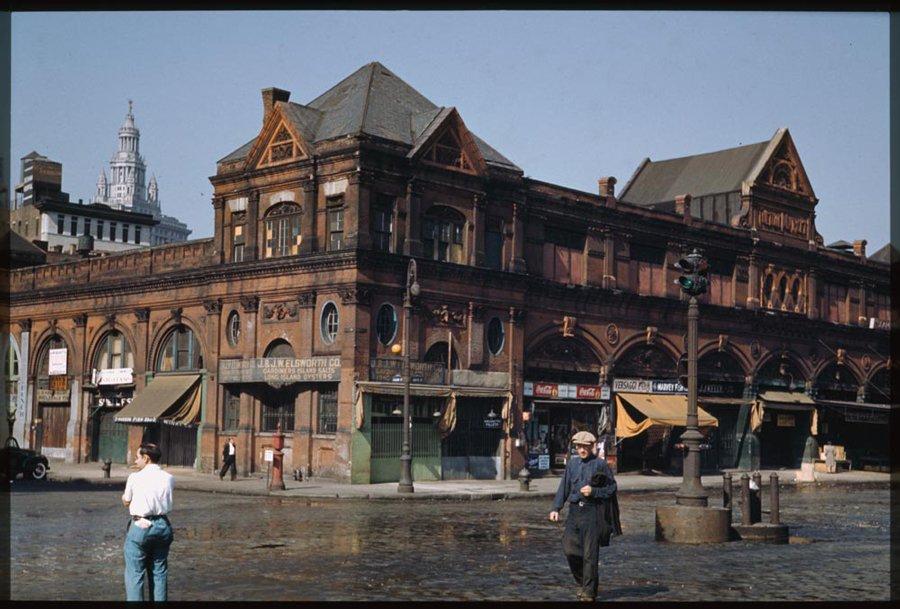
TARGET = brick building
x,y
543,309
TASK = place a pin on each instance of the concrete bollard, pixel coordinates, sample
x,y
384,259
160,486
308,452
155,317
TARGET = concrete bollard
x,y
774,506
727,494
745,500
106,467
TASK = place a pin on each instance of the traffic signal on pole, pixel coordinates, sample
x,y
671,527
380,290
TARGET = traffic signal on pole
x,y
694,270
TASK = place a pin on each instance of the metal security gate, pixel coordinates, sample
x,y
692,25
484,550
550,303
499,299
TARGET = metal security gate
x,y
110,439
472,451
178,443
386,446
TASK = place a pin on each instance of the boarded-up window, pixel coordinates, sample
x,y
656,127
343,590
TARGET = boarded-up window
x,y
650,268
563,255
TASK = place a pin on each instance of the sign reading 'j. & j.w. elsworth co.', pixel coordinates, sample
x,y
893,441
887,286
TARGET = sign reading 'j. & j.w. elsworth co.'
x,y
280,370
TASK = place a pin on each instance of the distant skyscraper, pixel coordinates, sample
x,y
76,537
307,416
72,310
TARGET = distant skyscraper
x,y
125,190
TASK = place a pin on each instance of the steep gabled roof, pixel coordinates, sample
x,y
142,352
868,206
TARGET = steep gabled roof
x,y
373,101
882,255
700,174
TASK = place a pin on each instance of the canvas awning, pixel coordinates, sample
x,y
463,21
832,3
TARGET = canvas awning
x,y
795,401
175,399
658,410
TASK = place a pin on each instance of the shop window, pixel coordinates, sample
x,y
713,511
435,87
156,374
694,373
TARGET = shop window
x,y
114,352
232,412
327,411
442,235
496,336
277,406
329,322
382,223
335,229
233,328
386,324
282,226
493,244
180,351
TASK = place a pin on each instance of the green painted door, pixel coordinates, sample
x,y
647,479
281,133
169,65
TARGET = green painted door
x,y
386,446
112,438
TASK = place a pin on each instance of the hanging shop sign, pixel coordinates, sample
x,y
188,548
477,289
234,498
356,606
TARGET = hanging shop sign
x,y
865,416
281,370
560,391
49,396
647,386
493,423
785,420
57,361
59,383
114,376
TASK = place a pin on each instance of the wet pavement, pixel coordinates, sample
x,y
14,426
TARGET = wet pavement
x,y
67,540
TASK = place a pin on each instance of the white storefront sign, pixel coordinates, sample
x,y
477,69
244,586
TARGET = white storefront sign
x,y
115,376
269,455
57,361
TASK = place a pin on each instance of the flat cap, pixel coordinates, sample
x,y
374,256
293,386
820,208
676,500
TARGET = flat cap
x,y
584,437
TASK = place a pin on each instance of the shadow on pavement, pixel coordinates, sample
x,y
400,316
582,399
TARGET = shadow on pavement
x,y
63,486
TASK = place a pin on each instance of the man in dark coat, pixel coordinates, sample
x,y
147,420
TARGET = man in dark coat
x,y
585,486
229,456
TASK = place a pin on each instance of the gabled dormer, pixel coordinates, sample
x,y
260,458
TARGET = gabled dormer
x,y
279,142
446,142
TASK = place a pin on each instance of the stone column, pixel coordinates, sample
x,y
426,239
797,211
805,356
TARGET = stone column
x,y
219,228
304,424
308,242
517,458
23,410
412,243
207,448
75,429
245,444
251,247
517,261
753,282
479,225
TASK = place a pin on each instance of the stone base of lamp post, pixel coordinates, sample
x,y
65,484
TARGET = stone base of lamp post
x,y
762,532
689,524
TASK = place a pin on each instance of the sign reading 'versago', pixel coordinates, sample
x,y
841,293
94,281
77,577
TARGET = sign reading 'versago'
x,y
281,370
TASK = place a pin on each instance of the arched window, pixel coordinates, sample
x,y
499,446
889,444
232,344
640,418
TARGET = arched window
x,y
54,342
386,324
279,348
282,226
180,351
113,352
442,235
329,322
437,354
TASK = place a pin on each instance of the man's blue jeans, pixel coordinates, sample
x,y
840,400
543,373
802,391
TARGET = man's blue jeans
x,y
147,550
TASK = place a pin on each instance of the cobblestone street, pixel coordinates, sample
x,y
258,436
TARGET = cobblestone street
x,y
67,544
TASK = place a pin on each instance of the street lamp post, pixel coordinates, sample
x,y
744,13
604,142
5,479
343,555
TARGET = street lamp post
x,y
694,283
412,290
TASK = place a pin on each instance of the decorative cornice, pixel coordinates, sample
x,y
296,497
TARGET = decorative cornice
x,y
356,295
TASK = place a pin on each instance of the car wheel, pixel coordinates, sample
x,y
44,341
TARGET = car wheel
x,y
39,471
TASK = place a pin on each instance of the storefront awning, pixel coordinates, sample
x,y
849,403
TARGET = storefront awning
x,y
859,412
658,409
175,398
787,400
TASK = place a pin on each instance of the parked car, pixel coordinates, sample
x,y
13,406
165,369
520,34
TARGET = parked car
x,y
15,461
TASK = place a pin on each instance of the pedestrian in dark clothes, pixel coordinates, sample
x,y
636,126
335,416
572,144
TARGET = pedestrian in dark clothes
x,y
229,454
585,485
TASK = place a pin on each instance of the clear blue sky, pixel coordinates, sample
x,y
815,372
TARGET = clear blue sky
x,y
568,96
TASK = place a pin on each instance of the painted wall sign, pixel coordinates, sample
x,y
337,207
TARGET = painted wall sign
x,y
115,376
648,386
562,391
866,416
281,370
391,370
48,396
57,361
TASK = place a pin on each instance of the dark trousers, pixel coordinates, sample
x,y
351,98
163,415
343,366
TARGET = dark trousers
x,y
581,544
229,464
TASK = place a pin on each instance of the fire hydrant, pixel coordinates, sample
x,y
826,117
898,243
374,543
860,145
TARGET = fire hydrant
x,y
106,467
524,479
277,482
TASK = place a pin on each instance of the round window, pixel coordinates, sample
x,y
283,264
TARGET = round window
x,y
495,335
329,322
386,324
233,329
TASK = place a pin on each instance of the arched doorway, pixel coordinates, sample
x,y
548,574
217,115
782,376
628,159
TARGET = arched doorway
x,y
652,450
278,403
720,383
561,397
113,368
787,412
53,392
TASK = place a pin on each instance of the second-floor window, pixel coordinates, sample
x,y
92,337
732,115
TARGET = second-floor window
x,y
650,268
125,233
112,231
100,229
283,231
335,229
60,224
442,235
237,243
73,225
88,226
137,234
382,223
563,255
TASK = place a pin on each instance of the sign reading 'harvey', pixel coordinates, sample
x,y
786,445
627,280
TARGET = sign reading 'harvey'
x,y
647,386
280,370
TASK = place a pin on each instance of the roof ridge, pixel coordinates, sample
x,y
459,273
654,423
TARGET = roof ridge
x,y
701,154
362,119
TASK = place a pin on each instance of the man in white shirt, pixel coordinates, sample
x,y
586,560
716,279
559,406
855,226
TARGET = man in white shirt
x,y
148,497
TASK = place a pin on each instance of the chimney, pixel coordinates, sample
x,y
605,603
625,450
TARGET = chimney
x,y
859,248
683,207
607,186
270,96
